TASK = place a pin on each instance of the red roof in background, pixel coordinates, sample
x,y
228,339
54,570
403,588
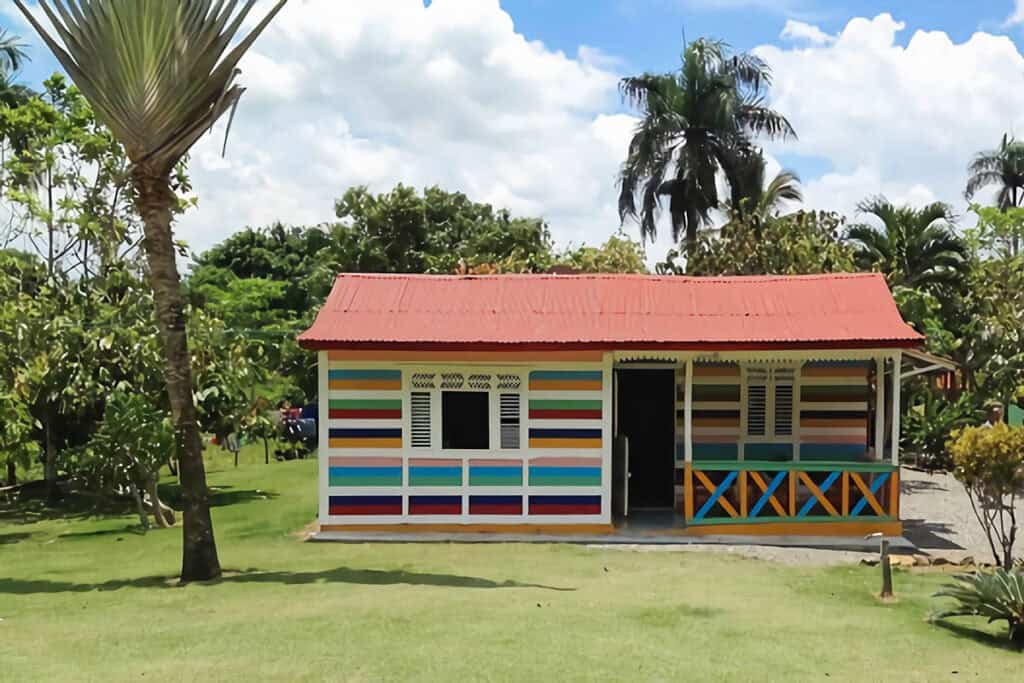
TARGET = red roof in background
x,y
609,311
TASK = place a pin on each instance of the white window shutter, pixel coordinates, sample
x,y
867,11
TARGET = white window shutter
x,y
757,401
420,417
784,402
509,416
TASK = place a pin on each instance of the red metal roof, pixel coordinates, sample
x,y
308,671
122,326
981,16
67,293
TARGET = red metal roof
x,y
609,311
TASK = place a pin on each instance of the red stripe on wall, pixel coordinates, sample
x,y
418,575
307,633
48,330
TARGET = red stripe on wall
x,y
365,414
366,509
483,509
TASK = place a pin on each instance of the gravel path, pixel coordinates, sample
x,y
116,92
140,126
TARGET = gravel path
x,y
938,519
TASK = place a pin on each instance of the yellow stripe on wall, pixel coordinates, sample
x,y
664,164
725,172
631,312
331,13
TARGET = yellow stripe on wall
x,y
565,443
365,443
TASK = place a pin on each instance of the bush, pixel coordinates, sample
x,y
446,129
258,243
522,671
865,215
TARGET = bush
x,y
996,596
927,429
989,462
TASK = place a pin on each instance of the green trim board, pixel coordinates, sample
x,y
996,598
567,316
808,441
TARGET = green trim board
x,y
786,520
792,466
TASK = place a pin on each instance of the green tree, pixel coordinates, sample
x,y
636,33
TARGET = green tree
x,y
134,440
159,75
619,254
1004,168
66,183
753,195
693,122
990,464
12,58
799,243
916,248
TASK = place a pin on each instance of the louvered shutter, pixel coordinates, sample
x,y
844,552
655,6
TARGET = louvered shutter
x,y
784,402
509,415
420,416
757,401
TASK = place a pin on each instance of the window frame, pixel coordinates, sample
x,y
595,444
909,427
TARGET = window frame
x,y
493,408
770,384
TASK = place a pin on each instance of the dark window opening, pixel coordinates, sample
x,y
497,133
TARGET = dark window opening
x,y
464,420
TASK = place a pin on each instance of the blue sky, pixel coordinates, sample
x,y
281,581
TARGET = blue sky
x,y
515,102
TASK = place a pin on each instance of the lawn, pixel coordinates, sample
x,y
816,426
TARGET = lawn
x,y
84,596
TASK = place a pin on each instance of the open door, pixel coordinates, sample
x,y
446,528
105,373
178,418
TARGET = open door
x,y
620,477
646,414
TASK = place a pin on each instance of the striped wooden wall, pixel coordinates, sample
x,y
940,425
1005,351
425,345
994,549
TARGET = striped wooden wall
x,y
716,411
375,470
565,413
365,409
834,420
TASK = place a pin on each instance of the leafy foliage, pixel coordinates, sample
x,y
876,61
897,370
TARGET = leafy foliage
x,y
1002,167
996,596
989,463
134,440
913,248
927,427
695,123
798,243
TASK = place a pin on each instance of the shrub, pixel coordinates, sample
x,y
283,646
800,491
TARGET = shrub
x,y
927,428
996,596
989,462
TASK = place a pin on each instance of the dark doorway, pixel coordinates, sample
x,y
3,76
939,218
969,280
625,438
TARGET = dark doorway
x,y
647,417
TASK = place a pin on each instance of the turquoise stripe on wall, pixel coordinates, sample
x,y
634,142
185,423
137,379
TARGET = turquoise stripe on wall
x,y
832,451
715,451
582,375
565,476
768,451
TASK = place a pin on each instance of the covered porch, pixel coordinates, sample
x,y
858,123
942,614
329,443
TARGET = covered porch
x,y
761,443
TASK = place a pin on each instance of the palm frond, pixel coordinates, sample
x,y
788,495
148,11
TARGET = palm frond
x,y
12,53
158,74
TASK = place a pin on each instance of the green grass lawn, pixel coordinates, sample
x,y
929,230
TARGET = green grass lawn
x,y
84,596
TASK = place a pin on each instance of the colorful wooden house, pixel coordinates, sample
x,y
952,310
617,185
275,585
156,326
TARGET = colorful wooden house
x,y
733,405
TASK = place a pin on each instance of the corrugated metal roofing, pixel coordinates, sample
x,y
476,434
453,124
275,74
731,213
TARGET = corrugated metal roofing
x,y
609,311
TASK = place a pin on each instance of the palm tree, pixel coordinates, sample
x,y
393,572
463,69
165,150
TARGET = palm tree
x,y
692,121
914,247
752,196
1003,167
12,57
159,74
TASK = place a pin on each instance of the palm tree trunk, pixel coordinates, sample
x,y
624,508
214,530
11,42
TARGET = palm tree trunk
x,y
155,200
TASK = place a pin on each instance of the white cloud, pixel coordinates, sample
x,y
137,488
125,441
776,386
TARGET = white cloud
x,y
1017,16
799,31
903,121
376,93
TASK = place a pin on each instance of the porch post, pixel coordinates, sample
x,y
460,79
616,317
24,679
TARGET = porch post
x,y
688,412
688,441
897,381
879,408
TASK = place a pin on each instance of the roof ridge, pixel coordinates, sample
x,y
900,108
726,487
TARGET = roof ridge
x,y
775,277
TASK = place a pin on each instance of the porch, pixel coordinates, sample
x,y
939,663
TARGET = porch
x,y
761,444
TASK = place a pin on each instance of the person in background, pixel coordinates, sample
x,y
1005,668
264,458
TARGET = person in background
x,y
995,415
